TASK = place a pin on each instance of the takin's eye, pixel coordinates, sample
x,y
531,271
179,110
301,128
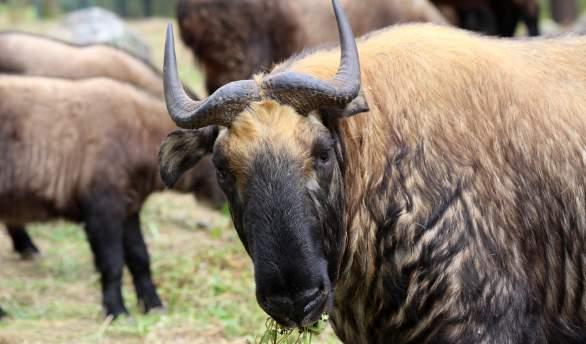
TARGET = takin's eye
x,y
221,174
323,157
222,171
323,152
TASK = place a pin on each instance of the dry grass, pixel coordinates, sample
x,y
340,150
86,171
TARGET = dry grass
x,y
203,275
202,272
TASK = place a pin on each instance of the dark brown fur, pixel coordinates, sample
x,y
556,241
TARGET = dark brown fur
x,y
233,39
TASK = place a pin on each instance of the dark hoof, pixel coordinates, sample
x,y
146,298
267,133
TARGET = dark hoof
x,y
117,314
29,253
2,313
153,305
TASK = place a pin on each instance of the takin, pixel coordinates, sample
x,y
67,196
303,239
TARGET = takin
x,y
86,151
234,39
432,192
493,17
19,54
30,54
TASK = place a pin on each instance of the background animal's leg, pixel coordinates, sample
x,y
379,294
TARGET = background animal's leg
x,y
507,16
530,16
2,313
479,19
105,232
22,242
532,24
138,262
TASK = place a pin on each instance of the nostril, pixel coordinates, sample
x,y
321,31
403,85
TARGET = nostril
x,y
304,300
281,304
312,304
307,295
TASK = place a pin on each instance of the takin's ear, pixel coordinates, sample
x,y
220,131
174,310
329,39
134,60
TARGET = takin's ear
x,y
356,106
182,149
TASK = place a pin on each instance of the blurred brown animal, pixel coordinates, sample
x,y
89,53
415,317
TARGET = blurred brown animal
x,y
493,17
426,185
564,12
232,40
31,54
86,151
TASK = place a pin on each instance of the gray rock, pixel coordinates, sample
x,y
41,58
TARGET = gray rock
x,y
97,25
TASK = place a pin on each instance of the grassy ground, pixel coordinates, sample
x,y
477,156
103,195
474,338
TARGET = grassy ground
x,y
202,272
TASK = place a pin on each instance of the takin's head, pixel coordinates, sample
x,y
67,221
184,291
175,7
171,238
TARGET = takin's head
x,y
280,163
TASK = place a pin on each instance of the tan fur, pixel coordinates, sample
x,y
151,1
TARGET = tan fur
x,y
29,54
61,139
268,123
461,93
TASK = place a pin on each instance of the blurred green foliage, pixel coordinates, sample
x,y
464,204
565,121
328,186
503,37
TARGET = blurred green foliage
x,y
124,8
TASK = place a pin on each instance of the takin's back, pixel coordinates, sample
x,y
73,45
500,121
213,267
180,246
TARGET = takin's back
x,y
20,52
461,91
430,80
60,138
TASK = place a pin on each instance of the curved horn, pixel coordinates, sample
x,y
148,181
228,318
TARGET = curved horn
x,y
220,108
306,93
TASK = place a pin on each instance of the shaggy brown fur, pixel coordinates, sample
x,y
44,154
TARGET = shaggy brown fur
x,y
480,152
29,54
60,138
464,192
71,149
234,39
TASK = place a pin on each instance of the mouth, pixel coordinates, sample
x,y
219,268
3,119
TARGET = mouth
x,y
286,315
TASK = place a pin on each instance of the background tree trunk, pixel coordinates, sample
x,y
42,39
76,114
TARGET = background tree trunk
x,y
147,9
122,8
